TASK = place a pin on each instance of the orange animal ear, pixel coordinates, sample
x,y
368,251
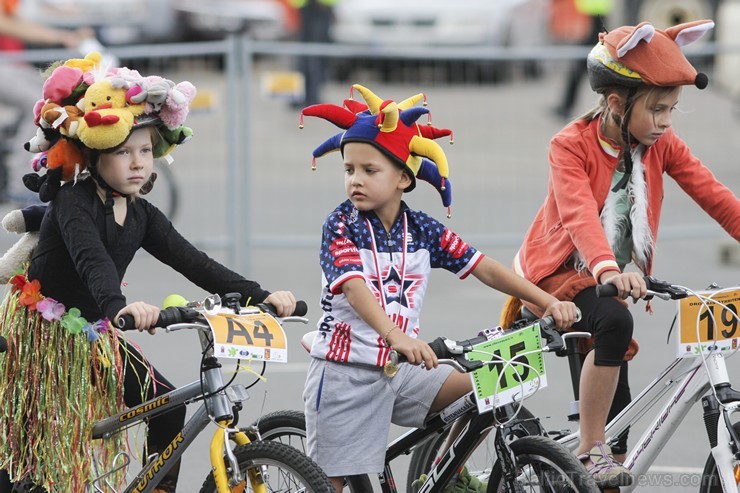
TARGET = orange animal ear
x,y
689,32
66,155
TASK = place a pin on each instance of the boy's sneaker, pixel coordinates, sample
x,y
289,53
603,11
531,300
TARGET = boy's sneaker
x,y
460,483
465,483
607,472
417,483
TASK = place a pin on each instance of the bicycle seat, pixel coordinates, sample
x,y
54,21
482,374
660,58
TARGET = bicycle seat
x,y
527,314
307,340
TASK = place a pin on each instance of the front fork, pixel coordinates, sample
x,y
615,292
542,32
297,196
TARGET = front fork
x,y
723,443
220,447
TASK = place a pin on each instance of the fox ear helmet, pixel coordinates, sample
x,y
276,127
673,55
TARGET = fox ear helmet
x,y
635,55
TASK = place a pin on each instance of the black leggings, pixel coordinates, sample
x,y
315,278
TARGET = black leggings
x,y
162,428
610,322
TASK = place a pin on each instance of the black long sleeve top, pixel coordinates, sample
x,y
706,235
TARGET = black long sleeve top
x,y
76,267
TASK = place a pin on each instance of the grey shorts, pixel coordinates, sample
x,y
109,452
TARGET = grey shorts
x,y
349,410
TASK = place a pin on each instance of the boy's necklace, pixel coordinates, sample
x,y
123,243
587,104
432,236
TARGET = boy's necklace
x,y
378,273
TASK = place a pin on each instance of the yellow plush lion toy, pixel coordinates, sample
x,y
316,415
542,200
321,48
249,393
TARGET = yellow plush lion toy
x,y
109,116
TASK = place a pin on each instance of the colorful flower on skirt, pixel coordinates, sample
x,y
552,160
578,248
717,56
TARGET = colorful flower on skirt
x,y
18,281
31,294
92,334
102,326
73,322
94,329
50,309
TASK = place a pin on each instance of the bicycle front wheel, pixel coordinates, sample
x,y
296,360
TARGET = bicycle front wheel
x,y
283,469
289,427
543,465
480,461
710,482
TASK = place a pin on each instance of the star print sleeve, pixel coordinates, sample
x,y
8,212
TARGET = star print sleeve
x,y
339,256
448,251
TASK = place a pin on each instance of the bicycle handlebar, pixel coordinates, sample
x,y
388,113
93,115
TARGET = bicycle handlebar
x,y
654,286
181,314
447,349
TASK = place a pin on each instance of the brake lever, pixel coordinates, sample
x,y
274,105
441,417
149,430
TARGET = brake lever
x,y
663,289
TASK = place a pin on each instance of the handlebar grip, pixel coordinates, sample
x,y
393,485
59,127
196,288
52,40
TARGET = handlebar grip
x,y
439,348
547,323
301,308
3,344
606,291
126,322
437,345
168,316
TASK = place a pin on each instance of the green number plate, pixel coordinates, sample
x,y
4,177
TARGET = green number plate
x,y
494,389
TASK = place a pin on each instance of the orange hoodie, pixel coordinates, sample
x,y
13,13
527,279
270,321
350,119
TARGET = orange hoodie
x,y
580,180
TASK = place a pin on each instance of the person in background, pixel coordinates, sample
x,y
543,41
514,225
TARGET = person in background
x,y
316,19
602,212
596,10
15,35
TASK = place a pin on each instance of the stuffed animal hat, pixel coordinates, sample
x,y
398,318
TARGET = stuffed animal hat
x,y
392,128
635,55
84,105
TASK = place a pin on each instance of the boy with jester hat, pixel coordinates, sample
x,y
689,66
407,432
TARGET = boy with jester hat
x,y
376,257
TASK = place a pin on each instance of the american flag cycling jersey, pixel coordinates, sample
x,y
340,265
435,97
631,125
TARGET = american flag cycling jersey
x,y
355,244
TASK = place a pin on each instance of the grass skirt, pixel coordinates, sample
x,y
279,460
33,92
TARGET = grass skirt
x,y
54,385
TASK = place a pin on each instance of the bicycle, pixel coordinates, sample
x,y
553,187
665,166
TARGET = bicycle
x,y
698,373
252,465
526,459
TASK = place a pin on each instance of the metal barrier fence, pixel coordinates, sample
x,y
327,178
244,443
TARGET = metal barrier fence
x,y
246,179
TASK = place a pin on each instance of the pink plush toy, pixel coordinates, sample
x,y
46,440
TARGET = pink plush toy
x,y
176,107
61,83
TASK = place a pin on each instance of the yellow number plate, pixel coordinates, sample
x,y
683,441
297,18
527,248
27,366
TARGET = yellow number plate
x,y
703,330
254,335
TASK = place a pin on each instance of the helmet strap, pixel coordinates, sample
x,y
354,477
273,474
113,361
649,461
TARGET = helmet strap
x,y
111,229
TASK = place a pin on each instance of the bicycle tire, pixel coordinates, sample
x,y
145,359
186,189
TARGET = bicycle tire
x,y
543,465
424,454
710,482
289,428
285,469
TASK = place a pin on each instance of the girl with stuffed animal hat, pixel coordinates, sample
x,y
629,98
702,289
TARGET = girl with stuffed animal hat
x,y
66,365
376,257
602,210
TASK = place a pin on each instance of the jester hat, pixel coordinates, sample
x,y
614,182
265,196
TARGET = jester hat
x,y
633,55
392,128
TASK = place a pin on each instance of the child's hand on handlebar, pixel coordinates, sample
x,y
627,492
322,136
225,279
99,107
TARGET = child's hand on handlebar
x,y
627,284
416,351
283,301
145,315
564,313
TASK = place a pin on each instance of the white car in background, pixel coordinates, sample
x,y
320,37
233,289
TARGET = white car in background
x,y
266,20
401,23
116,22
419,24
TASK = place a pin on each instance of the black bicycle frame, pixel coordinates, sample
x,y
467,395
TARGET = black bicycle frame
x,y
454,458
